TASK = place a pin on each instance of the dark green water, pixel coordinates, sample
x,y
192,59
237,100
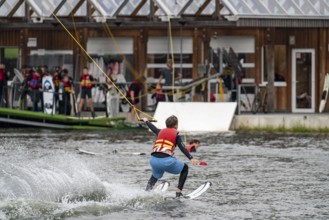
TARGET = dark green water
x,y
255,176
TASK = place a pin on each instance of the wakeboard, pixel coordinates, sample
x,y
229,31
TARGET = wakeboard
x,y
162,187
194,194
48,89
81,151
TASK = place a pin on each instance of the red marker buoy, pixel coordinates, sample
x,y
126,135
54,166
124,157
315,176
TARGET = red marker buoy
x,y
203,163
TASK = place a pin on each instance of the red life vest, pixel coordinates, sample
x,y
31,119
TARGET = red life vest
x,y
139,86
56,81
2,75
35,82
166,141
67,86
86,82
190,147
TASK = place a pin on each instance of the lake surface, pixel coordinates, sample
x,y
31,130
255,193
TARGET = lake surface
x,y
255,176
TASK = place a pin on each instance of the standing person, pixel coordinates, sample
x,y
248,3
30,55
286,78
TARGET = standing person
x,y
86,81
133,94
66,88
56,81
120,81
43,73
194,145
162,159
24,88
167,75
3,82
158,95
34,83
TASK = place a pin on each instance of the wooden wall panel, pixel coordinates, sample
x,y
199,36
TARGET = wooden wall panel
x,y
58,39
10,38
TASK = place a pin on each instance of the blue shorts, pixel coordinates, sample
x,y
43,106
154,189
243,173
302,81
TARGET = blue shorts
x,y
166,164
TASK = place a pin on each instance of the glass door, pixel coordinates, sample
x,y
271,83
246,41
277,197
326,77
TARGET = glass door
x,y
303,88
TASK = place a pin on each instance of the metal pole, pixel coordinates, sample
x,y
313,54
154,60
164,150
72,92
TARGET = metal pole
x,y
181,51
238,93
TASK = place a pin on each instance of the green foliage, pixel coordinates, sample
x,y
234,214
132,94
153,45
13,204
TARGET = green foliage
x,y
298,128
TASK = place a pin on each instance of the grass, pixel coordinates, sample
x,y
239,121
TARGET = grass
x,y
298,128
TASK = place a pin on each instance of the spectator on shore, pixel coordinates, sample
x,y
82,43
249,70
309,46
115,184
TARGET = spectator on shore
x,y
3,83
34,83
43,73
133,94
66,91
24,88
158,95
87,81
56,81
167,75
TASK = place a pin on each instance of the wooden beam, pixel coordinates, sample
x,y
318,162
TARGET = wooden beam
x,y
90,11
15,8
59,7
2,2
270,62
219,6
185,7
202,7
139,6
120,7
153,9
76,8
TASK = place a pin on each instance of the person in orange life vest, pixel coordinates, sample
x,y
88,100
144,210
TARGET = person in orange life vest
x,y
66,87
133,94
34,83
162,159
194,145
87,81
158,95
3,81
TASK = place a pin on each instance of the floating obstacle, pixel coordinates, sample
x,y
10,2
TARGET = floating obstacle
x,y
197,116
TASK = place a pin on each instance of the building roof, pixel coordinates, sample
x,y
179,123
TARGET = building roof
x,y
230,10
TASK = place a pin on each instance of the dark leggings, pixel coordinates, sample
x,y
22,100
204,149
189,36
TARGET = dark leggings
x,y
182,178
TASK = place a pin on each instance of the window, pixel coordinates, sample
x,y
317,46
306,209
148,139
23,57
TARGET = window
x,y
10,57
243,47
159,50
280,66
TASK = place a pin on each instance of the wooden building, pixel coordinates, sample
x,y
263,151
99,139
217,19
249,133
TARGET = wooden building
x,y
284,44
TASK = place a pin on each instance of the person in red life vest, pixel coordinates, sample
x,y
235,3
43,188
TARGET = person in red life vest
x,y
194,145
87,81
56,81
133,94
3,82
34,83
44,71
162,156
158,95
66,88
